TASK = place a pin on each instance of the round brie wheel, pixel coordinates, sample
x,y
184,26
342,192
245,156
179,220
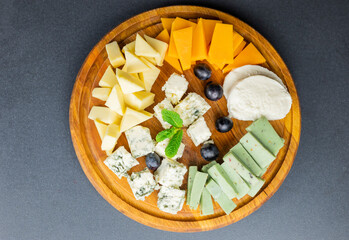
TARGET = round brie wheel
x,y
257,96
240,73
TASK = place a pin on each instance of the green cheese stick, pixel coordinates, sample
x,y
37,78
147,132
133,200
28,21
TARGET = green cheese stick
x,y
226,204
223,180
266,134
191,175
259,153
206,204
240,152
207,166
255,188
198,185
239,184
241,169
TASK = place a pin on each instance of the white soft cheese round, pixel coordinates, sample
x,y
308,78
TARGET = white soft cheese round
x,y
257,96
235,76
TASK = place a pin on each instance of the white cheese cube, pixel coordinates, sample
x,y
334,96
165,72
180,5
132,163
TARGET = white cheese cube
x,y
142,183
175,87
191,108
165,104
170,199
199,132
170,173
120,162
161,146
140,141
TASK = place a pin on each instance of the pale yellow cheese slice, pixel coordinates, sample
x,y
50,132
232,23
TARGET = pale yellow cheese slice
x,y
111,137
139,100
129,47
104,114
133,117
101,93
143,48
134,64
149,77
108,79
114,54
159,46
128,83
115,100
101,128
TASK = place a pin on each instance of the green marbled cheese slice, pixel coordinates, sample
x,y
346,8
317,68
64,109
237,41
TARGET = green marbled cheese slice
x,y
196,190
226,204
206,205
239,184
240,152
191,175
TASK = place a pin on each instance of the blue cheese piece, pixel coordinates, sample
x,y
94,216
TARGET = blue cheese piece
x,y
142,183
175,87
199,132
161,146
170,173
120,162
165,104
170,199
140,141
191,108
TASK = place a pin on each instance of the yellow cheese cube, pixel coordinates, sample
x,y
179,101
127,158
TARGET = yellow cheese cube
x,y
111,137
104,114
101,93
115,100
149,77
108,79
133,117
159,46
128,83
114,54
101,128
143,48
139,100
134,64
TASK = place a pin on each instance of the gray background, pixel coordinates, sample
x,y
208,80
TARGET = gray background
x,y
44,193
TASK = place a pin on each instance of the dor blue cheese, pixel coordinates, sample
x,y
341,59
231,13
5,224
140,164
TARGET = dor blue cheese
x,y
175,87
142,183
165,104
170,199
199,132
140,141
120,162
191,108
170,173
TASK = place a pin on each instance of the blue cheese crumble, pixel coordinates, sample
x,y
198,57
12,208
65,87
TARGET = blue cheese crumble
x,y
165,104
161,146
140,141
199,132
170,173
175,87
142,183
170,199
191,108
120,162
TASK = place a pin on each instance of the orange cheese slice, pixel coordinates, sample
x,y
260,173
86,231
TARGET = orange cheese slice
x,y
250,55
167,23
237,39
199,50
221,49
183,40
178,23
209,28
164,36
239,48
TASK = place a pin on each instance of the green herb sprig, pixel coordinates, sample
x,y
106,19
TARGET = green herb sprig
x,y
175,133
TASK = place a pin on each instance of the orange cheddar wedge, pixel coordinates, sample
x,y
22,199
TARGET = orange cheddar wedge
x,y
237,39
209,28
183,40
239,48
221,49
199,50
167,23
178,23
250,55
164,36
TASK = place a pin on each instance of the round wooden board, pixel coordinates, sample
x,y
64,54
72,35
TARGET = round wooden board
x,y
117,192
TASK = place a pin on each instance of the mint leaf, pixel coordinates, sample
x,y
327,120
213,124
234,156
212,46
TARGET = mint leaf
x,y
173,146
168,133
172,118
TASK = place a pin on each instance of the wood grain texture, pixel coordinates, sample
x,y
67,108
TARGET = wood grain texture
x,y
117,192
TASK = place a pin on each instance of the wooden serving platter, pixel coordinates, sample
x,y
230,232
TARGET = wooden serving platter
x,y
117,192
